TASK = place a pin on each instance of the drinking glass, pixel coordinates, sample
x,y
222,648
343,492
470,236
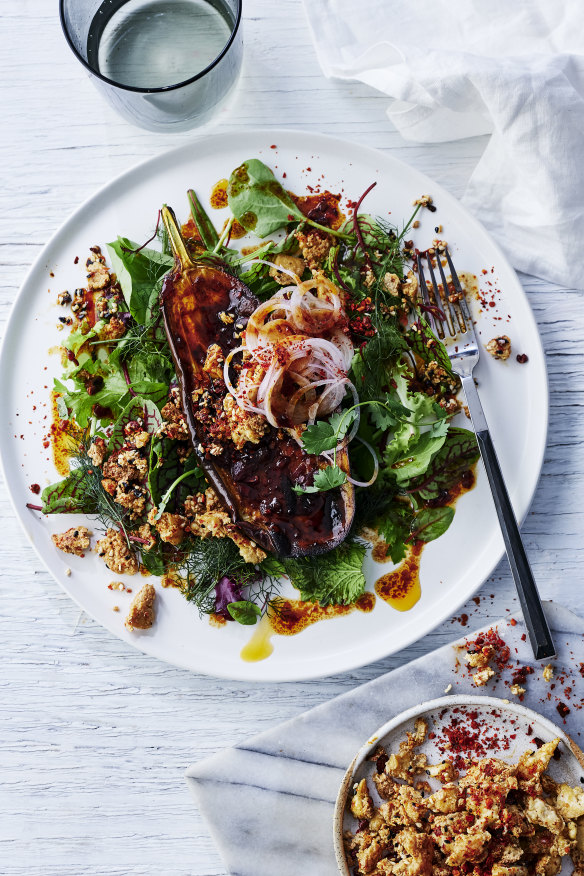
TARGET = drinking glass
x,y
162,64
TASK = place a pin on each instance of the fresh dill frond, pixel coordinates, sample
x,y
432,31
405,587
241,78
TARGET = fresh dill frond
x,y
98,502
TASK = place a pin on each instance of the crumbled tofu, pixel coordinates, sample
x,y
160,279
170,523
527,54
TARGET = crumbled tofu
x,y
289,263
141,614
517,690
315,246
488,822
170,527
75,540
481,677
548,672
97,451
214,362
116,554
499,347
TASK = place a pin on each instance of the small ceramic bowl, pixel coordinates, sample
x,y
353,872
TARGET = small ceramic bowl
x,y
508,721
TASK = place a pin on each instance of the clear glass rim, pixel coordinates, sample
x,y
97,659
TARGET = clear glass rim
x,y
160,89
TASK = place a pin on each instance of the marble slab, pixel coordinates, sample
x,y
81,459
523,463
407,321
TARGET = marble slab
x,y
269,801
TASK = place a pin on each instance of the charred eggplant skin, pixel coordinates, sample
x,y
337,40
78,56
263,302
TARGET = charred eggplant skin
x,y
255,482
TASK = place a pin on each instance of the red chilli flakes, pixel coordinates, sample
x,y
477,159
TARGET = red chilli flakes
x,y
467,736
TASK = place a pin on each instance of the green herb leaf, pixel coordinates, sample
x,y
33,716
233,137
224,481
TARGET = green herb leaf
x,y
139,274
67,496
325,479
318,437
456,456
260,204
395,528
244,612
431,523
410,454
336,577
202,222
192,471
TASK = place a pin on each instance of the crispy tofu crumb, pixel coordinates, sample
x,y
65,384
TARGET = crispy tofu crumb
x,y
116,608
517,690
74,540
499,347
548,672
481,677
114,551
141,614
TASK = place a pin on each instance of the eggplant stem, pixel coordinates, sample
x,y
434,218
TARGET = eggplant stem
x,y
177,243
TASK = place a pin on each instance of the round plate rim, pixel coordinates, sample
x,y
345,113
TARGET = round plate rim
x,y
267,135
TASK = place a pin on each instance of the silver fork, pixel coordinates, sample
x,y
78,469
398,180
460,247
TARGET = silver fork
x,y
451,310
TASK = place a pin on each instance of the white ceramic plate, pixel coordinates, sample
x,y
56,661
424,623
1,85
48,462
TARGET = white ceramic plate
x,y
497,719
514,396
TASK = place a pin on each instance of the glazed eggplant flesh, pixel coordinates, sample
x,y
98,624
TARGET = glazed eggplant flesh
x,y
254,482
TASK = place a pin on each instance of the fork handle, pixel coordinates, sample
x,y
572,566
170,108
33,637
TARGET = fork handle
x,y
533,613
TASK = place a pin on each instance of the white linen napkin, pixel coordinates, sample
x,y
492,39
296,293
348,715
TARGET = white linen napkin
x,y
459,68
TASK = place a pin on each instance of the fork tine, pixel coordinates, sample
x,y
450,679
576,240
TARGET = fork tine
x,y
435,323
441,300
460,292
454,311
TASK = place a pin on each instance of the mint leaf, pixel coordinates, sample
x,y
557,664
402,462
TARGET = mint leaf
x,y
244,612
336,577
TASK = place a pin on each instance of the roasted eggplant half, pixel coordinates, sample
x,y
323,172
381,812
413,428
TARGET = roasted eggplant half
x,y
205,309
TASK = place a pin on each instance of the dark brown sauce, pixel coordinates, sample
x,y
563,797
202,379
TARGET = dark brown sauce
x,y
401,588
323,207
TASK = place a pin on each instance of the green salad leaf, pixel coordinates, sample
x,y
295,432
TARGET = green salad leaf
x,y
139,273
261,204
244,612
336,577
431,523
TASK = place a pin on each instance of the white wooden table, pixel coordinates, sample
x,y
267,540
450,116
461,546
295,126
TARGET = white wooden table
x,y
94,736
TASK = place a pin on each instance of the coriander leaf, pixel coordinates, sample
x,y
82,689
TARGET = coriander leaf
x,y
318,437
244,612
325,479
342,421
431,523
324,435
456,456
336,577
